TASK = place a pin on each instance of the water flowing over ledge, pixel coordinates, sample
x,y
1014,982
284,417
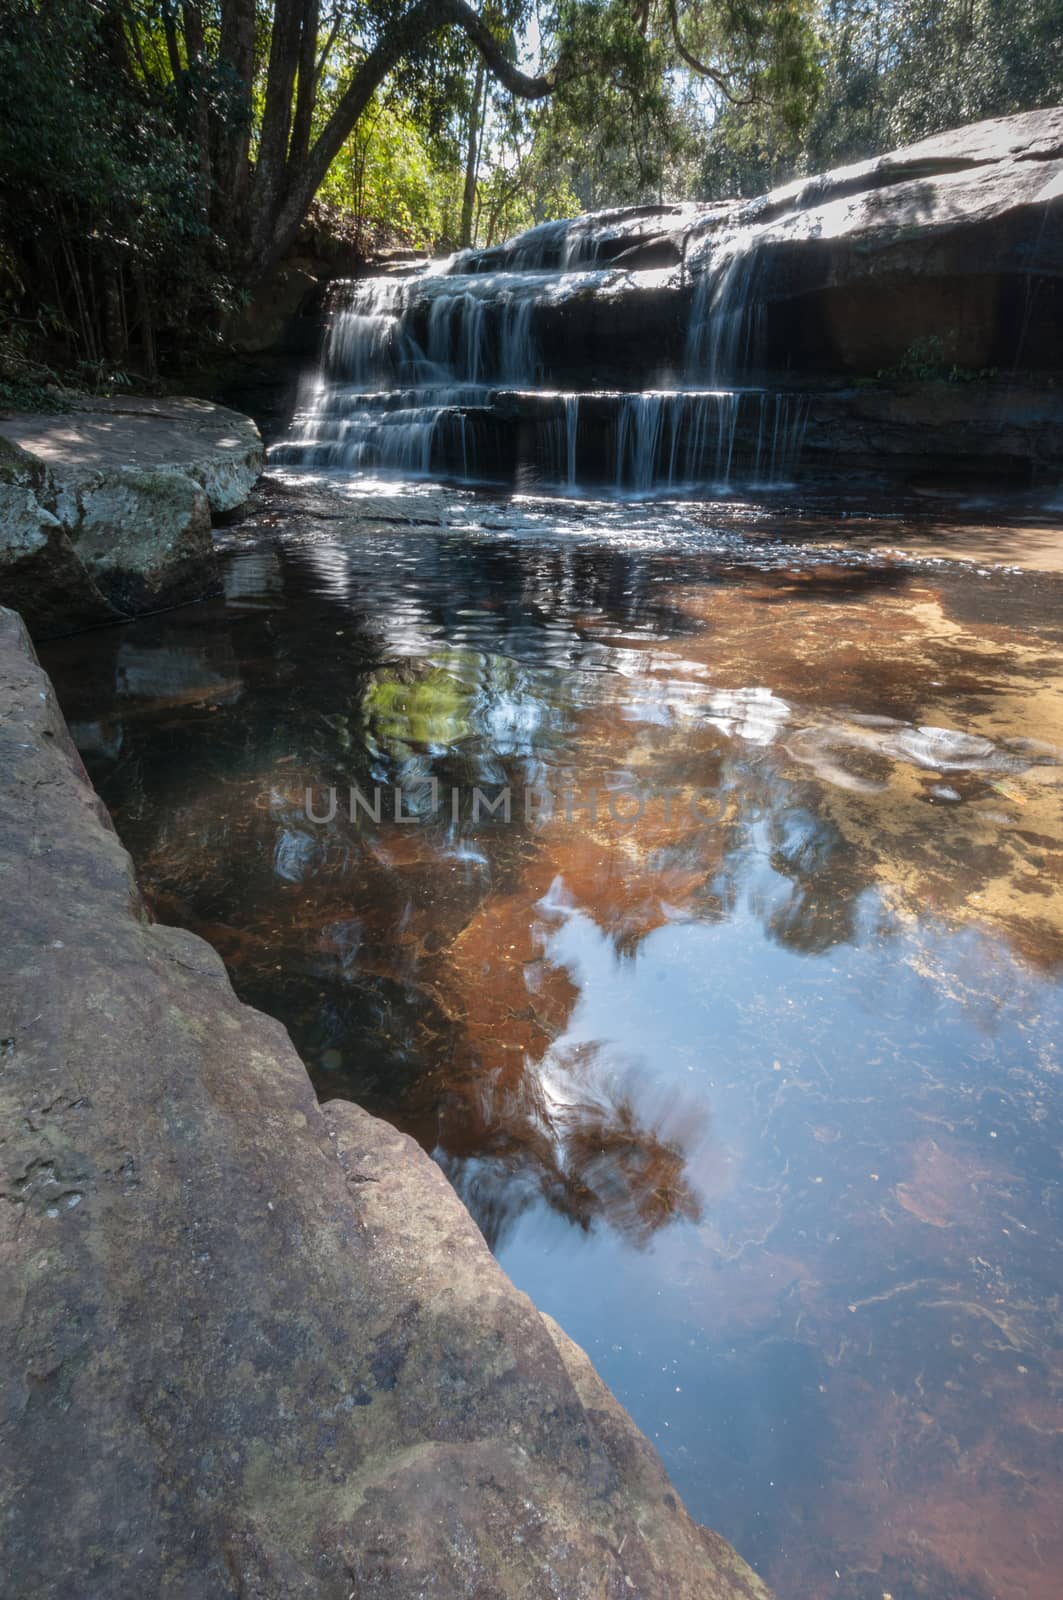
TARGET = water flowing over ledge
x,y
445,373
687,349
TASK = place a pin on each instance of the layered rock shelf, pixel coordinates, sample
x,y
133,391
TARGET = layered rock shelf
x,y
253,1346
897,317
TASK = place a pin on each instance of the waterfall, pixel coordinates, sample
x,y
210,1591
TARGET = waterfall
x,y
638,436
402,352
441,371
517,352
672,440
571,404
667,441
725,338
363,345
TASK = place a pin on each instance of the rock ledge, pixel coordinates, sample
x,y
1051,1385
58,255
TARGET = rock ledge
x,y
106,511
251,1347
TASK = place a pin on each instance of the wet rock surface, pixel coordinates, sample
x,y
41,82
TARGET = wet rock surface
x,y
958,237
106,511
896,321
254,1347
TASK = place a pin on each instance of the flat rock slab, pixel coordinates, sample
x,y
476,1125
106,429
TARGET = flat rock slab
x,y
251,1347
105,512
220,449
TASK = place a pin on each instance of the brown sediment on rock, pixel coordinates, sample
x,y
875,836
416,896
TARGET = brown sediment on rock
x,y
252,1346
912,661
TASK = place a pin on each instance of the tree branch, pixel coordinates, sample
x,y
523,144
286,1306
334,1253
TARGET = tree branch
x,y
702,68
279,209
508,75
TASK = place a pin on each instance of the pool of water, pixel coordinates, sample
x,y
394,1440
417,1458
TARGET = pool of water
x,y
740,1035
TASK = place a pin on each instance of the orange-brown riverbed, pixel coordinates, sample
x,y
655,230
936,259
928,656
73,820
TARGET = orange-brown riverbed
x,y
757,1091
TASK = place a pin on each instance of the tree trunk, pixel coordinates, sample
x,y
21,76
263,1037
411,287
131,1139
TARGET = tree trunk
x,y
237,53
282,190
268,189
113,321
472,157
195,48
147,325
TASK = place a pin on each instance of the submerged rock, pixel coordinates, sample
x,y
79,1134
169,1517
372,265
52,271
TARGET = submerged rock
x,y
250,1346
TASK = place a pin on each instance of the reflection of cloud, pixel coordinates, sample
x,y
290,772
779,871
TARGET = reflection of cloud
x,y
294,854
835,745
755,715
827,747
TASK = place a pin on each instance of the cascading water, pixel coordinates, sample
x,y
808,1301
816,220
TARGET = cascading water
x,y
674,440
403,355
725,337
571,404
444,371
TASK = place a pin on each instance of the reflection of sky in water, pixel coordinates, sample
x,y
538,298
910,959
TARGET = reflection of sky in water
x,y
801,1090
764,1109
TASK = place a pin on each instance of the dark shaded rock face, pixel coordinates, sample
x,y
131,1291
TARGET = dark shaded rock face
x,y
899,316
251,1347
959,237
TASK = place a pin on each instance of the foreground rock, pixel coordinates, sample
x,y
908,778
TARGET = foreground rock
x,y
106,512
252,1347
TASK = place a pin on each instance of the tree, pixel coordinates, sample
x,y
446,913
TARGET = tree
x,y
101,203
264,147
205,128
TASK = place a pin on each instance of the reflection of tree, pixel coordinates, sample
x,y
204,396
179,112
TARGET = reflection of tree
x,y
582,1139
404,960
409,962
820,910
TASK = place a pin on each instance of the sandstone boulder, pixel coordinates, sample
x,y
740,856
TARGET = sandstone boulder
x,y
143,535
40,572
106,512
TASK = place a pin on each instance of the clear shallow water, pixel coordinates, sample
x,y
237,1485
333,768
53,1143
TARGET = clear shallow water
x,y
762,1100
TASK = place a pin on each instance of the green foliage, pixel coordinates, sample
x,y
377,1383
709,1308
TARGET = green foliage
x,y
25,384
393,180
639,87
74,131
523,190
926,361
426,707
101,207
891,75
923,361
954,61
